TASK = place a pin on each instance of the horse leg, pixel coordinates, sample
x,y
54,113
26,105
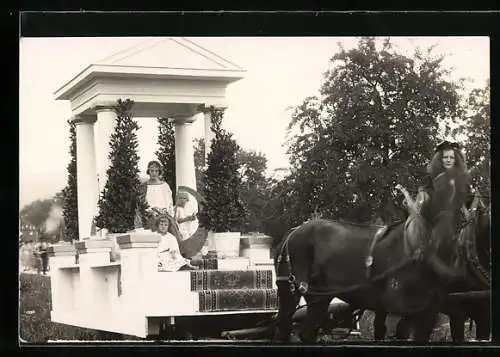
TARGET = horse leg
x,y
457,326
317,308
482,330
379,327
287,306
482,319
422,325
403,329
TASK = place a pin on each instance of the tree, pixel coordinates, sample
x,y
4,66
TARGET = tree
x,y
224,211
166,152
70,196
36,213
199,163
254,189
374,125
118,203
476,128
279,213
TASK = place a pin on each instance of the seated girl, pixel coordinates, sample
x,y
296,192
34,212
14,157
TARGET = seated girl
x,y
185,214
169,255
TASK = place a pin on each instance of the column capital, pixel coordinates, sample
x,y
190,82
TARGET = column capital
x,y
205,108
83,119
104,108
184,119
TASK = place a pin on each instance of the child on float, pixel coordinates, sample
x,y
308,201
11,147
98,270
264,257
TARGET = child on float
x,y
169,255
185,214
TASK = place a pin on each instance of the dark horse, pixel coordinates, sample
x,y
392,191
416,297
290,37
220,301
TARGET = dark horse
x,y
475,251
324,259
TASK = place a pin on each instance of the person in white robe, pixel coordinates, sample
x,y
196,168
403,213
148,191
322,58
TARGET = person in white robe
x,y
185,214
169,255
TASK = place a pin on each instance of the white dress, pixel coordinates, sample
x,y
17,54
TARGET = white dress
x,y
169,254
160,196
187,228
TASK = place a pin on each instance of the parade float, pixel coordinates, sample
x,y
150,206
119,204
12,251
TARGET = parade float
x,y
111,282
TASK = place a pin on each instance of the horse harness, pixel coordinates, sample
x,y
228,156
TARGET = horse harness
x,y
412,254
285,256
416,254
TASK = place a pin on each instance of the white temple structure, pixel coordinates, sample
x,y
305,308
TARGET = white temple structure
x,y
165,77
94,287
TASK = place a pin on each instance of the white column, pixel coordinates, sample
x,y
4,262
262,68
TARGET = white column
x,y
87,189
209,134
185,174
106,122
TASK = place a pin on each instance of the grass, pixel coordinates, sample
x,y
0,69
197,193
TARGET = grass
x,y
36,327
441,332
34,311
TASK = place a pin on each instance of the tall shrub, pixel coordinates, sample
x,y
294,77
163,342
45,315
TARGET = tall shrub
x,y
166,151
117,204
70,197
224,210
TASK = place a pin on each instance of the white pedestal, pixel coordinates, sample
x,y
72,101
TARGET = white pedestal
x,y
65,276
257,248
139,264
227,244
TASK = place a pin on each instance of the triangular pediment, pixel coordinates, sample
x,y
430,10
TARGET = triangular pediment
x,y
178,53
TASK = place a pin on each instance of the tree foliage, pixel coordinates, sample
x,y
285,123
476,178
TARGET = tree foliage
x,y
254,184
476,129
199,163
280,212
224,210
375,125
166,151
36,213
117,203
70,194
254,189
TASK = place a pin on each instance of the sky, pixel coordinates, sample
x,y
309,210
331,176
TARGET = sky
x,y
281,72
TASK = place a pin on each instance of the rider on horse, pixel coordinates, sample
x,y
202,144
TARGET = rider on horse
x,y
446,185
441,201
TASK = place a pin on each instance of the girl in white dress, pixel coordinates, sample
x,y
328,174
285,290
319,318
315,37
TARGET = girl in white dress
x,y
169,255
185,214
156,193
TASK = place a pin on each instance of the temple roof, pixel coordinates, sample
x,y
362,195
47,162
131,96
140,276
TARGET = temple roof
x,y
169,53
156,57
